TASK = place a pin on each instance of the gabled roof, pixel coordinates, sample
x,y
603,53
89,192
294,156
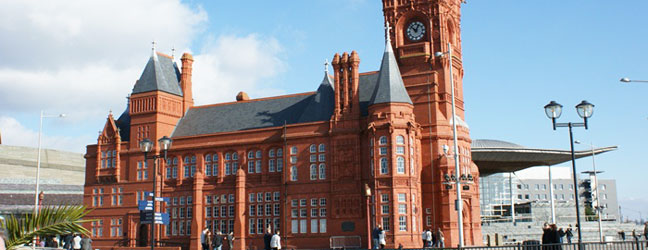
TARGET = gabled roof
x,y
322,103
390,87
160,73
123,124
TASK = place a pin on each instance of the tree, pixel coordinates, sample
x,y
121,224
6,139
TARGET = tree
x,y
49,221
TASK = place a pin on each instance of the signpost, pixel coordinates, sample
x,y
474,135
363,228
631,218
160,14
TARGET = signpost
x,y
146,210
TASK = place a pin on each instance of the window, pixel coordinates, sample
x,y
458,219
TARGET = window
x,y
322,157
402,208
268,196
314,212
385,223
293,150
382,140
400,150
302,203
537,186
259,154
251,166
603,186
322,148
322,223
384,197
384,166
302,226
294,226
252,226
293,159
314,226
271,165
322,171
277,209
313,148
383,150
544,186
400,140
293,173
400,165
385,209
313,172
294,202
294,213
276,196
303,212
322,212
322,202
313,158
402,223
402,198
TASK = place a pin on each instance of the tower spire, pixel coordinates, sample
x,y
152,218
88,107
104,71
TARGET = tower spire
x,y
387,34
153,54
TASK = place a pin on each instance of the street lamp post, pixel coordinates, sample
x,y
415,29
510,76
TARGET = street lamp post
x,y
458,201
553,110
627,80
367,194
38,163
146,146
598,206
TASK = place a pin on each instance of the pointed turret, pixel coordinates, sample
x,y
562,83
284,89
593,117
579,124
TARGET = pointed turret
x,y
390,87
160,73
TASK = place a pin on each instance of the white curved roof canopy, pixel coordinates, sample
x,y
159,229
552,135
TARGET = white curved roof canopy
x,y
495,156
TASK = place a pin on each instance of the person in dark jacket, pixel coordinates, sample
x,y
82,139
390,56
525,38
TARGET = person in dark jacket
x,y
555,238
546,236
217,241
266,239
68,241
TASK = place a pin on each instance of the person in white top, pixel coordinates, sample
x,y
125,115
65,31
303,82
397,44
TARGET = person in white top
x,y
381,238
424,236
275,241
202,238
428,237
76,242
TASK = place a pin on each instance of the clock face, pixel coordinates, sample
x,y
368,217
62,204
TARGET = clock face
x,y
415,31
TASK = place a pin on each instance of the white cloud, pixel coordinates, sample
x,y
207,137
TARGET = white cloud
x,y
82,58
231,64
15,134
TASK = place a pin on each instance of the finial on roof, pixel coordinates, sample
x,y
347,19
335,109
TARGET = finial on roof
x,y
110,112
173,52
153,45
387,32
326,64
153,54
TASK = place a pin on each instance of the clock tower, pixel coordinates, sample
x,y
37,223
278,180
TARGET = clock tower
x,y
421,28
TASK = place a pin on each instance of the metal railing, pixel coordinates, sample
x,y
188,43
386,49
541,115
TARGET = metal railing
x,y
534,245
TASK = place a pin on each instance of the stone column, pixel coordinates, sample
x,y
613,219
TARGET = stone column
x,y
197,219
239,219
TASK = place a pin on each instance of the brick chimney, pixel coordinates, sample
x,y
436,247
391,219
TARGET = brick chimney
x,y
346,76
185,82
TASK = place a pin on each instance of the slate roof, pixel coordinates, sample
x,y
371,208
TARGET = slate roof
x,y
123,124
160,73
390,87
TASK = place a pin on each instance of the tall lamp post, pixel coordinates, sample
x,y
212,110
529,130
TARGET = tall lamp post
x,y
367,194
458,201
584,110
38,163
598,206
146,146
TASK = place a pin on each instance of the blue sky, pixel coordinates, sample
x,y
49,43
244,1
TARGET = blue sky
x,y
518,55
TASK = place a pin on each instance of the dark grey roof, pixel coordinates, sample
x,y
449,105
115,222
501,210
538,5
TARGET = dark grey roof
x,y
123,124
160,73
390,87
244,115
321,104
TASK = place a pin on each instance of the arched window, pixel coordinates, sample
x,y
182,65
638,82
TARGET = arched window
x,y
275,162
258,154
228,156
322,171
382,140
313,172
189,166
215,157
313,148
322,147
384,166
400,165
293,150
293,173
235,156
251,155
271,153
400,140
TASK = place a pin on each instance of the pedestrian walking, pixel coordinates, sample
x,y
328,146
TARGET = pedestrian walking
x,y
622,235
86,243
209,239
267,237
430,237
76,242
217,240
424,238
275,241
230,240
635,237
561,235
440,239
569,233
374,237
203,238
381,238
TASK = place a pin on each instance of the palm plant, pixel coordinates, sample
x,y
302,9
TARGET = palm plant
x,y
48,222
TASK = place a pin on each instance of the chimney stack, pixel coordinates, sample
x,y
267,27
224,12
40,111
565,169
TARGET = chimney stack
x,y
185,82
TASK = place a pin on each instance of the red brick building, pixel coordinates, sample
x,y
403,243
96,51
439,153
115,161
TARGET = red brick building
x,y
300,162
